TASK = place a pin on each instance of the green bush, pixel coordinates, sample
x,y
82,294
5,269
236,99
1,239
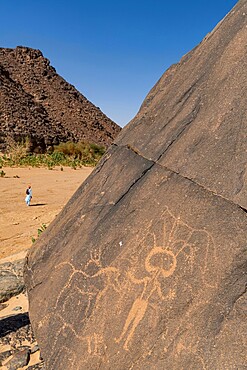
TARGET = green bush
x,y
40,230
74,155
87,153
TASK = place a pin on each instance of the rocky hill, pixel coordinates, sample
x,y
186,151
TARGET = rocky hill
x,y
36,102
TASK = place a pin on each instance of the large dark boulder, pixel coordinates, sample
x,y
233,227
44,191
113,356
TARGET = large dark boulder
x,y
145,267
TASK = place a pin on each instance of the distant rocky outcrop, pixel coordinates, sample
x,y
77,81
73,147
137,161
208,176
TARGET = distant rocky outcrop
x,y
37,103
146,266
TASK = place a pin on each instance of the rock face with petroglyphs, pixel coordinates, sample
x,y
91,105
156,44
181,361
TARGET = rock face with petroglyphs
x,y
145,267
37,103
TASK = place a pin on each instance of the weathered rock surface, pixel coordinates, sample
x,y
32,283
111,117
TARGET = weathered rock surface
x,y
194,119
145,267
37,103
19,359
11,279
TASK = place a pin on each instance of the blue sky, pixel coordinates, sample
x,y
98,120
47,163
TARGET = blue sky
x,y
113,52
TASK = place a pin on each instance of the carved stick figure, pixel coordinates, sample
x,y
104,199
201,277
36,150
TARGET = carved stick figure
x,y
180,240
151,286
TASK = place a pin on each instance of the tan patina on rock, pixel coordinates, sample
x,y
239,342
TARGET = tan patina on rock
x,y
145,267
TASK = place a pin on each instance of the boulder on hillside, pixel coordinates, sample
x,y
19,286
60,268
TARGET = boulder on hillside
x,y
145,267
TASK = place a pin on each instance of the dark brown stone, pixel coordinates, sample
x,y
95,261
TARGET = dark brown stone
x,y
145,267
4,355
19,359
37,103
16,333
39,366
11,279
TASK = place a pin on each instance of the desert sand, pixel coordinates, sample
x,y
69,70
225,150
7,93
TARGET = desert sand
x,y
51,191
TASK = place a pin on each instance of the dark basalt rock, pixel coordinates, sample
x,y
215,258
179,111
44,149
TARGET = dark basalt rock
x,y
16,332
19,359
5,355
145,267
11,279
36,103
36,367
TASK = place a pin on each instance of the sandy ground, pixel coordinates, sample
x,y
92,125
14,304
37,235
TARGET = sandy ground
x,y
51,191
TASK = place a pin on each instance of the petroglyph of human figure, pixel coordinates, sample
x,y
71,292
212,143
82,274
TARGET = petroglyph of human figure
x,y
160,263
151,285
82,281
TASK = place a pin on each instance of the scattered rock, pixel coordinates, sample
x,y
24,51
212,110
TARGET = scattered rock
x,y
35,349
3,306
17,308
37,367
16,336
19,359
4,355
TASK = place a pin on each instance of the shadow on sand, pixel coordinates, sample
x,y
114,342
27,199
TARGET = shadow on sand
x,y
13,323
38,204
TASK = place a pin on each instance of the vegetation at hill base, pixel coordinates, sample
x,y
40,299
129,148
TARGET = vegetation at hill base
x,y
69,154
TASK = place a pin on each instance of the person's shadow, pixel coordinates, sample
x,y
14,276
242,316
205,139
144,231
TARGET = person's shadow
x,y
38,204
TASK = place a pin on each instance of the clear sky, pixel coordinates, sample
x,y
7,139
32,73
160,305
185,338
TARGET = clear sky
x,y
112,51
